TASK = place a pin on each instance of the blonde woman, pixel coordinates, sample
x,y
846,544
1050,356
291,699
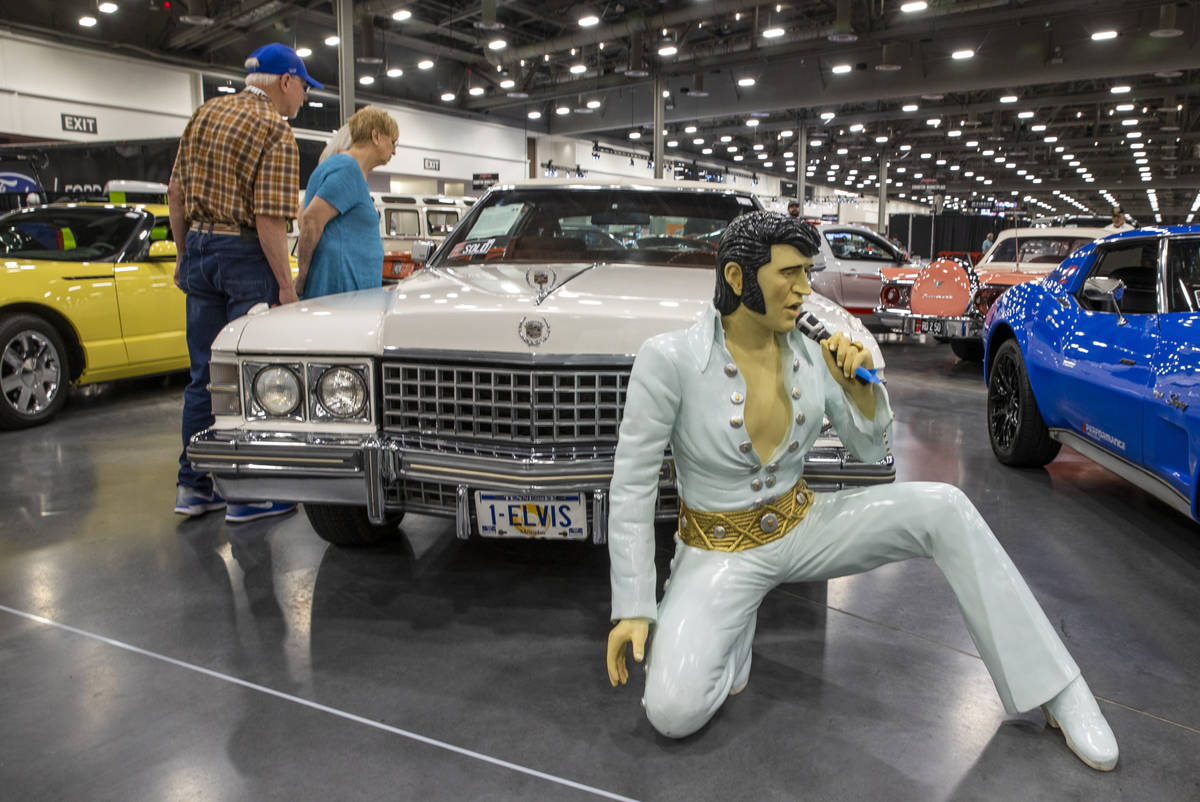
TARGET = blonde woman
x,y
340,249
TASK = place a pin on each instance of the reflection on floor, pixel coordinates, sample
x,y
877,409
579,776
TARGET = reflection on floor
x,y
254,662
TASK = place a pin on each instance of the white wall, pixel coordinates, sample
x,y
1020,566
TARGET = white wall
x,y
129,99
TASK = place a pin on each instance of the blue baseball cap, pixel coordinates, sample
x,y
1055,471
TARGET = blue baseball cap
x,y
277,59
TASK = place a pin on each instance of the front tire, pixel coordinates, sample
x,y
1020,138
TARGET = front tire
x,y
34,373
1019,435
345,525
968,350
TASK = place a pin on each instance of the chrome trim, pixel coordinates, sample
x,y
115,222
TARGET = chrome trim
x,y
505,357
462,513
600,517
316,369
378,473
1134,474
252,410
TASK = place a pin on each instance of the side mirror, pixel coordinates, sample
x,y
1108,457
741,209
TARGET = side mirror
x,y
163,249
422,249
1106,291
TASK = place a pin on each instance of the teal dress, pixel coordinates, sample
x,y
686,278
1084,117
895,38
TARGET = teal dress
x,y
349,255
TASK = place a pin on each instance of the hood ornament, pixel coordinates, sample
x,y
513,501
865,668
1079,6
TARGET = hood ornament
x,y
541,278
534,331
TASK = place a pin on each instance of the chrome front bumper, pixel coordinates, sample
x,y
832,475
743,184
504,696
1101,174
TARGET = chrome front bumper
x,y
380,474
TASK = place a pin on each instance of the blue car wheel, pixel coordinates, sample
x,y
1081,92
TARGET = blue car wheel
x,y
1015,426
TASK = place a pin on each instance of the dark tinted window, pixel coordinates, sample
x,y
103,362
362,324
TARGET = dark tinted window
x,y
1183,276
1136,265
79,234
857,245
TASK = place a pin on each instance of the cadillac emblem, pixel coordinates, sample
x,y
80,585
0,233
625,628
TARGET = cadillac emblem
x,y
540,278
534,331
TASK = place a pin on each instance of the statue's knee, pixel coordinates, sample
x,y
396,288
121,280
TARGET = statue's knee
x,y
676,717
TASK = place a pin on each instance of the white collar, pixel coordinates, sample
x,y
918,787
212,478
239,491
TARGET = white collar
x,y
255,90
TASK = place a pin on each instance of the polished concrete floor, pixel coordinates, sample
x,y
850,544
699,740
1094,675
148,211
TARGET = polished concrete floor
x,y
147,657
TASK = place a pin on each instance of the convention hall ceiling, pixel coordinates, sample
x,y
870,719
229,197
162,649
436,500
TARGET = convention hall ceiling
x,y
1055,100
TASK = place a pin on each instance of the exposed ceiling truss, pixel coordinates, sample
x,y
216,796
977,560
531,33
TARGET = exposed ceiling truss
x,y
1039,51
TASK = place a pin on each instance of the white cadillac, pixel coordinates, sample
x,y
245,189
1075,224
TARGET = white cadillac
x,y
489,386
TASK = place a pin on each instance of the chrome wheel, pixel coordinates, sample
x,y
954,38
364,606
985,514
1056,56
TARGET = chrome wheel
x,y
1004,402
30,373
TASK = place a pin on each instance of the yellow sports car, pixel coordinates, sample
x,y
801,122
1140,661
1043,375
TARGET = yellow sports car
x,y
87,294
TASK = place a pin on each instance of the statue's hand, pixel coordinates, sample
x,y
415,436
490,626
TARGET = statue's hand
x,y
842,357
627,630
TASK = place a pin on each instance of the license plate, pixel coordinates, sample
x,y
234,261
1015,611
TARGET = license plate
x,y
547,517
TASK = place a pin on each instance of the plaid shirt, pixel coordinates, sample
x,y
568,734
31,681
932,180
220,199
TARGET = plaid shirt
x,y
237,159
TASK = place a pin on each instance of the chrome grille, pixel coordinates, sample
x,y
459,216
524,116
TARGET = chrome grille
x,y
504,407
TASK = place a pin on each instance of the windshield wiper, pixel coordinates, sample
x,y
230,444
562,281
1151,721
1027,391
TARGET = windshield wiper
x,y
546,290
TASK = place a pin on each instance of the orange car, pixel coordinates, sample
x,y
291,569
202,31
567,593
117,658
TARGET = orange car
x,y
949,298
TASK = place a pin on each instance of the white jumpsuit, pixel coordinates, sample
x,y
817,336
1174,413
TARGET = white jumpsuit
x,y
686,390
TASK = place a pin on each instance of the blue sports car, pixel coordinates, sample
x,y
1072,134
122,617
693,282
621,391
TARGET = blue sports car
x,y
1103,354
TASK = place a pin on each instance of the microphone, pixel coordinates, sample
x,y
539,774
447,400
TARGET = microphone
x,y
812,328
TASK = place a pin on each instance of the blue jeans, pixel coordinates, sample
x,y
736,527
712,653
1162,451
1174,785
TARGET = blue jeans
x,y
222,276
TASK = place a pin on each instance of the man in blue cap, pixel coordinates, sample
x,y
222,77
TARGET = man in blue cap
x,y
235,185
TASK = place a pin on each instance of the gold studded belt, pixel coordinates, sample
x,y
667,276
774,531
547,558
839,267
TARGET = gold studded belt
x,y
738,530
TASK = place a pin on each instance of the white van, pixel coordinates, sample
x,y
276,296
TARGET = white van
x,y
405,218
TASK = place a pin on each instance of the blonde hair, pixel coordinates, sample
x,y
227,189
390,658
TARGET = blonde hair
x,y
368,119
338,143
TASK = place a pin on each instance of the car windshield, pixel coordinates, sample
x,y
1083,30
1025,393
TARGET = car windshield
x,y
68,234
595,224
1046,250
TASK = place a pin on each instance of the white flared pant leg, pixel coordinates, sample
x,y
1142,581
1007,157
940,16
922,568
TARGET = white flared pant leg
x,y
707,615
856,530
702,641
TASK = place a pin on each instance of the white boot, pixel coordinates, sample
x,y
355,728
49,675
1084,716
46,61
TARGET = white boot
x,y
1088,735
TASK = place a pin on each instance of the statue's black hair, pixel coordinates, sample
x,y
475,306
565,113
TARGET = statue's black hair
x,y
747,241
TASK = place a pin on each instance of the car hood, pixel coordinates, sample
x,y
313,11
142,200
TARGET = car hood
x,y
605,309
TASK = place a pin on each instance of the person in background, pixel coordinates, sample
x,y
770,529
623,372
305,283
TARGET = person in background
x,y
233,189
1118,221
794,208
340,249
987,242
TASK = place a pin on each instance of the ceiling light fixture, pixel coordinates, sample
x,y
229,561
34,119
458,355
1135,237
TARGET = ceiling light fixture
x,y
425,64
106,8
475,91
578,69
746,81
562,111
1103,36
497,44
303,52
914,7
909,107
447,97
841,69
772,33
534,115
402,15
962,55
366,80
1121,89
588,20
332,41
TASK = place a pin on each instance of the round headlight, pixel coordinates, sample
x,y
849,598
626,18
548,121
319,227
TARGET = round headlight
x,y
342,392
277,390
